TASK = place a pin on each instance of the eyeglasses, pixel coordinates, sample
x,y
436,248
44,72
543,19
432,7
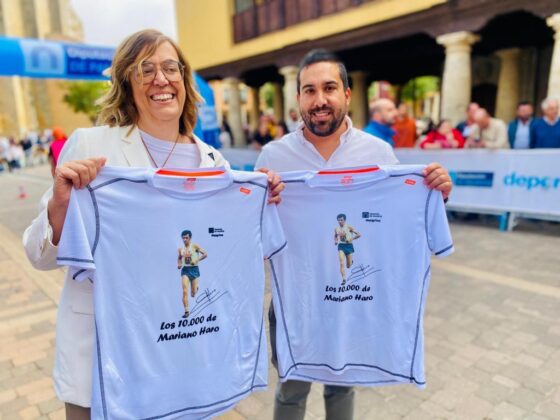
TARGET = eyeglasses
x,y
172,70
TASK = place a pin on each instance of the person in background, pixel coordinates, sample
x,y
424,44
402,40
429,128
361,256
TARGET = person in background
x,y
293,120
59,138
488,132
519,130
383,115
545,132
27,146
280,130
4,153
465,127
443,136
262,135
226,136
15,155
405,128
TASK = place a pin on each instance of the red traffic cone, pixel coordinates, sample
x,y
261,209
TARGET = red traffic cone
x,y
22,194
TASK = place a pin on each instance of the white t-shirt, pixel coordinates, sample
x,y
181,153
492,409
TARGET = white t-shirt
x,y
294,153
123,232
351,314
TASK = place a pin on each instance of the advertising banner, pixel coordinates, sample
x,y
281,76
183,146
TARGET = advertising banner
x,y
520,181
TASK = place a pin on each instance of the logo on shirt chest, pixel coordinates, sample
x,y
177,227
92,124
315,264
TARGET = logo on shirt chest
x,y
347,180
372,217
216,232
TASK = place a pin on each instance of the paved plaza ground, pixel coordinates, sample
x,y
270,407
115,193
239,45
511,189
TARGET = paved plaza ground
x,y
492,327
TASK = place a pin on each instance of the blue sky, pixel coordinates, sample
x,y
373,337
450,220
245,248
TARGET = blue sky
x,y
107,22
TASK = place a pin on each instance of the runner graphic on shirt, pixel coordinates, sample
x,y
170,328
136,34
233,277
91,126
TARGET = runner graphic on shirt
x,y
190,254
344,235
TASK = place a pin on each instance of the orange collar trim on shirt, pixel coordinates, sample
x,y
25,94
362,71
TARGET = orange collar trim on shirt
x,y
350,171
185,173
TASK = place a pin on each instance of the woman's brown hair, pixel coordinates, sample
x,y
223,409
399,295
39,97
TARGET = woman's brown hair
x,y
117,105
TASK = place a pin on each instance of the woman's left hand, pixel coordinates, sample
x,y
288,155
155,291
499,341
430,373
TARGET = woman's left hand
x,y
275,186
437,177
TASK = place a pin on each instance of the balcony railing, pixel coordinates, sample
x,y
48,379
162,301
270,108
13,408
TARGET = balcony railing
x,y
273,15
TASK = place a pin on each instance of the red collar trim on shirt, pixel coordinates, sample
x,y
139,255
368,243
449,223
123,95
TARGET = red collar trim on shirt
x,y
350,171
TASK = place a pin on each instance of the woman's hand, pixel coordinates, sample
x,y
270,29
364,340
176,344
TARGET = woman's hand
x,y
77,174
275,185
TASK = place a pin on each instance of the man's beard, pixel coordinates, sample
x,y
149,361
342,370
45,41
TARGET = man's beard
x,y
325,129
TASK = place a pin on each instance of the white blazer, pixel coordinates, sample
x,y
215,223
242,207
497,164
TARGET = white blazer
x,y
75,325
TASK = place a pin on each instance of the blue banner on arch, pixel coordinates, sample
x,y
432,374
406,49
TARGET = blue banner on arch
x,y
50,59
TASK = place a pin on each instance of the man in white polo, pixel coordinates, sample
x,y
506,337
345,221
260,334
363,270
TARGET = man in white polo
x,y
326,139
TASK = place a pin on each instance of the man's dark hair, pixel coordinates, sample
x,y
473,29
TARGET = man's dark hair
x,y
186,233
341,216
522,103
322,56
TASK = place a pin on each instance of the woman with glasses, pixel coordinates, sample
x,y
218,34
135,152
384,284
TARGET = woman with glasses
x,y
147,119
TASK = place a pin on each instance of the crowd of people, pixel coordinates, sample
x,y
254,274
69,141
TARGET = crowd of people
x,y
31,150
395,125
268,129
478,130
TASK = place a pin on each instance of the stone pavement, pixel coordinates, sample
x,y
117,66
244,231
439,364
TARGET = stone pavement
x,y
492,328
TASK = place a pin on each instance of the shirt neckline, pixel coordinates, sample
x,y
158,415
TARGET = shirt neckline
x,y
190,183
346,178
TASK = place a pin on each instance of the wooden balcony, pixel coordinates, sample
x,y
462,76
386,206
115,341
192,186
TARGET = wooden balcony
x,y
273,15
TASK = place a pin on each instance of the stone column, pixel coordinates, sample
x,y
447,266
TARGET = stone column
x,y
254,107
290,89
278,102
234,111
456,81
358,102
554,78
436,107
508,84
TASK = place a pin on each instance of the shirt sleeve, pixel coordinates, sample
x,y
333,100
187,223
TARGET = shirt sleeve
x,y
37,238
79,236
437,226
273,238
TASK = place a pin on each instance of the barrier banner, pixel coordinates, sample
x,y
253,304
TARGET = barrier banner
x,y
520,181
240,159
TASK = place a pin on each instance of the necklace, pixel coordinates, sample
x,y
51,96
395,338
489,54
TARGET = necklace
x,y
168,156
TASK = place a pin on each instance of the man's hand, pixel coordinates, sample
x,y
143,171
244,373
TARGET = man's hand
x,y
437,177
275,186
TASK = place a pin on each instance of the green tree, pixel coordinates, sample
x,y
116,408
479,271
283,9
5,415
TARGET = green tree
x,y
267,95
417,89
81,97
